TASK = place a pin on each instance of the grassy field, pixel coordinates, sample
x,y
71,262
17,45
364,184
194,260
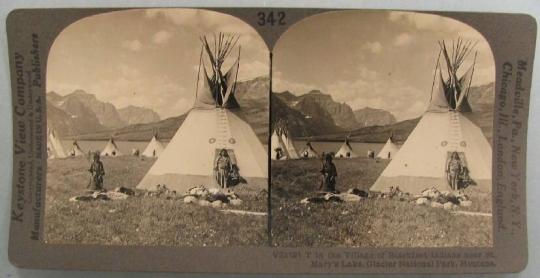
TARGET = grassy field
x,y
372,222
141,220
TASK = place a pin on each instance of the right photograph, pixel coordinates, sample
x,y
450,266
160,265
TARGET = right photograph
x,y
381,132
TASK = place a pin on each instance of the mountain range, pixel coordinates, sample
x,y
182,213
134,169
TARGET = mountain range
x,y
81,112
316,113
140,124
316,116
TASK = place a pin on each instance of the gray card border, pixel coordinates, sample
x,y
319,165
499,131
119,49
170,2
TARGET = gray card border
x,y
512,38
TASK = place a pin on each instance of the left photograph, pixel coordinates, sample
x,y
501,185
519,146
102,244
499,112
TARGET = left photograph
x,y
157,131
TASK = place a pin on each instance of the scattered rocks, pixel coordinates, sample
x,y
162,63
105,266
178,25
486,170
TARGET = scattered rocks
x,y
100,196
214,197
443,199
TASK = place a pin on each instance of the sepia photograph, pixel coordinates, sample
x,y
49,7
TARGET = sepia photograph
x,y
157,127
381,131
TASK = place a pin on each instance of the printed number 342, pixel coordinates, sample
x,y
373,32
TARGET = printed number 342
x,y
269,18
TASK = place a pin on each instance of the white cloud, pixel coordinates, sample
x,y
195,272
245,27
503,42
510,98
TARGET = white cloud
x,y
280,84
133,45
403,39
373,47
128,72
371,89
161,37
253,69
176,16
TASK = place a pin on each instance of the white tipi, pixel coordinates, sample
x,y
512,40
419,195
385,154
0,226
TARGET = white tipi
x,y
309,151
154,148
75,149
213,130
111,149
443,134
346,150
54,146
282,144
389,150
279,151
288,143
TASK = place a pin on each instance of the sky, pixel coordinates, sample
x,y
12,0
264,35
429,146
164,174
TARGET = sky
x,y
375,59
146,57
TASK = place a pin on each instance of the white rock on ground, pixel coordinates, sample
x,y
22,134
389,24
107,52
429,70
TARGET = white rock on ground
x,y
190,199
448,205
217,203
204,203
350,197
236,202
422,201
304,201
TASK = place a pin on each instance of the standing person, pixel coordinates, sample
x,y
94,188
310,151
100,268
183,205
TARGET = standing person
x,y
453,170
97,171
223,167
329,173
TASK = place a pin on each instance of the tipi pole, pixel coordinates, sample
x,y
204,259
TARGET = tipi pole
x,y
472,73
435,73
198,75
237,70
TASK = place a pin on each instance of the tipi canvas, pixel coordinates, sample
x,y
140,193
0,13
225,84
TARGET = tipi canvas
x,y
75,149
309,151
110,149
212,130
443,134
346,151
154,148
54,146
389,149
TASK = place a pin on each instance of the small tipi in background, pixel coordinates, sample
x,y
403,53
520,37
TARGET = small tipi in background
x,y
111,149
54,146
278,150
346,150
287,142
389,149
443,131
213,126
281,142
309,151
154,148
75,149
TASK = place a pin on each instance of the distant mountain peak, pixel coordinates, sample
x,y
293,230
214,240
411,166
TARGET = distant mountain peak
x,y
315,92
